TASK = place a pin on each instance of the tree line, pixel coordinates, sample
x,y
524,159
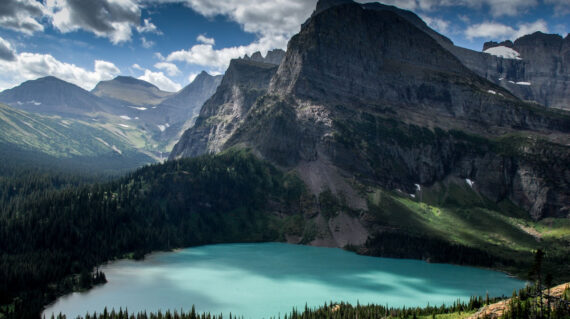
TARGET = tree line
x,y
48,238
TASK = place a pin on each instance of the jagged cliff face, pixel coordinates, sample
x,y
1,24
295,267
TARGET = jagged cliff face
x,y
272,57
541,73
364,96
178,112
244,81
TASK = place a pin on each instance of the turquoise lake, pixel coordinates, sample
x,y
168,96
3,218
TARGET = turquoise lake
x,y
269,279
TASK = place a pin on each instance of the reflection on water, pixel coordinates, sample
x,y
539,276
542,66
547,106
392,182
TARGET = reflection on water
x,y
262,280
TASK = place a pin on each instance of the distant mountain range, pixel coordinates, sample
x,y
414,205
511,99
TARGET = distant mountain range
x,y
131,91
50,95
51,141
137,113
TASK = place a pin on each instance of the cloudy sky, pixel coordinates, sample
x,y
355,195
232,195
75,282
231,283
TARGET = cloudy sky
x,y
168,42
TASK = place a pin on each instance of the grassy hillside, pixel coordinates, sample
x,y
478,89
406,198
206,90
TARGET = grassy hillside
x,y
453,212
42,140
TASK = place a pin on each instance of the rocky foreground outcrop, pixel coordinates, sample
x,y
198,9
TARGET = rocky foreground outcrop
x,y
497,309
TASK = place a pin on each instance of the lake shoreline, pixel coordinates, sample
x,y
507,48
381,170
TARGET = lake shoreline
x,y
351,268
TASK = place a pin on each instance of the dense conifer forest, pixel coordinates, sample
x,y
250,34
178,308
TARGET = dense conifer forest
x,y
54,226
57,227
523,304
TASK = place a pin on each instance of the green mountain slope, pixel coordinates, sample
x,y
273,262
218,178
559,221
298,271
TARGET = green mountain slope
x,y
52,138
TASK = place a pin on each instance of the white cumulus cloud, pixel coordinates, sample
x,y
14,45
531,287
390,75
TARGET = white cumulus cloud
x,y
30,66
496,7
149,27
561,7
147,44
440,25
113,19
21,15
160,80
170,68
498,31
7,53
218,60
272,21
205,40
192,77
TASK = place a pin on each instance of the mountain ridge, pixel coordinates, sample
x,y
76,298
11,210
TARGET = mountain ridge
x,y
392,106
129,90
52,95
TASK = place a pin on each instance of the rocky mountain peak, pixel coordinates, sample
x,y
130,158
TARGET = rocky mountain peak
x,y
51,95
368,92
539,39
323,5
493,44
272,57
132,81
349,51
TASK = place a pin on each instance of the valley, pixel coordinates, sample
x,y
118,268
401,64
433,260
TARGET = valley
x,y
371,137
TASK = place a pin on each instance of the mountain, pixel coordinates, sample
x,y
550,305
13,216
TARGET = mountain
x,y
536,68
50,95
46,140
542,68
127,108
272,57
137,93
377,116
178,112
245,80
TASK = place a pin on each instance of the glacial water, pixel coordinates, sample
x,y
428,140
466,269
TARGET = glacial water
x,y
269,279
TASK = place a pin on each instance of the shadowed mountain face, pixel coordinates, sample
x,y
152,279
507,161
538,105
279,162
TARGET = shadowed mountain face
x,y
543,73
540,74
184,106
366,96
244,81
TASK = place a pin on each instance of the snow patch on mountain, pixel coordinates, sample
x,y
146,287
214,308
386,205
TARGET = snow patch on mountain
x,y
504,52
140,108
